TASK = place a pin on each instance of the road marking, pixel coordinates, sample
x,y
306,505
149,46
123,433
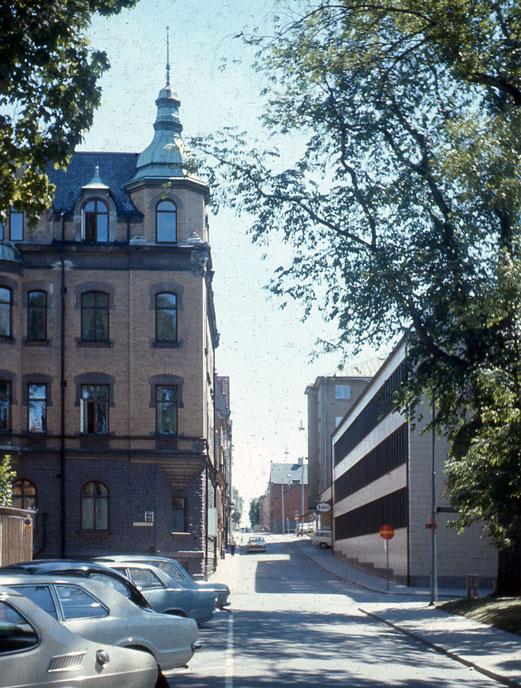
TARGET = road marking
x,y
228,667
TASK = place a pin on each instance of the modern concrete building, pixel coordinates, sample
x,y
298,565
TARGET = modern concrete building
x,y
383,472
107,341
287,495
329,399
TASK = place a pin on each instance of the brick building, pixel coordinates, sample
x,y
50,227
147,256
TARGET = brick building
x,y
329,398
107,340
383,475
223,462
287,495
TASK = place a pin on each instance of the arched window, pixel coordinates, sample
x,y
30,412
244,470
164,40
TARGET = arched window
x,y
24,494
95,219
36,316
166,317
166,222
94,506
95,316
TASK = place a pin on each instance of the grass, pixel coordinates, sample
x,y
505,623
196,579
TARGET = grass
x,y
500,612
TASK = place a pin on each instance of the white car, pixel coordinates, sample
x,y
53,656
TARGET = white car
x,y
38,652
322,537
98,612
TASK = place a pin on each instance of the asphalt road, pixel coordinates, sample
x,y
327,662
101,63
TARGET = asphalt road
x,y
293,624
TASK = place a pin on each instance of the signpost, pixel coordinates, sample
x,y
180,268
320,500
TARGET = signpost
x,y
387,533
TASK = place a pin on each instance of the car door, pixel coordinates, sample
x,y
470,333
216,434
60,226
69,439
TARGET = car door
x,y
161,597
84,614
21,651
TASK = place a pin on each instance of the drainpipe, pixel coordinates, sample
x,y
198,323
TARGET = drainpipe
x,y
63,290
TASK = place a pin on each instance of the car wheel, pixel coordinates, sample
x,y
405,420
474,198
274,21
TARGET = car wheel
x,y
161,680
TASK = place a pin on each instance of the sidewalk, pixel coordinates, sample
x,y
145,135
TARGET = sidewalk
x,y
489,650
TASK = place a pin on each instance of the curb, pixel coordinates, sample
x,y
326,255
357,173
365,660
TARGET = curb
x,y
350,580
442,650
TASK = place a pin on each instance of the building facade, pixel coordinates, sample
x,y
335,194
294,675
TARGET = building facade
x,y
223,462
329,398
107,341
383,475
287,496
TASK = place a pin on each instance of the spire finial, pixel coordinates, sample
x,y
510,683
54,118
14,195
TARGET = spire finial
x,y
168,56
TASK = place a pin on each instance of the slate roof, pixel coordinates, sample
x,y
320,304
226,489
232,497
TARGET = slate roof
x,y
115,169
279,473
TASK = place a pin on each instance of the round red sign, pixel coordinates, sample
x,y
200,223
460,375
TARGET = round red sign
x,y
387,532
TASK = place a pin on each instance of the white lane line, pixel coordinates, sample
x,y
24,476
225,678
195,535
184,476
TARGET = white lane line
x,y
228,666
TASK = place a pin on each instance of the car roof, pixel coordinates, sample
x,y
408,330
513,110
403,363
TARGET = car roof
x,y
104,592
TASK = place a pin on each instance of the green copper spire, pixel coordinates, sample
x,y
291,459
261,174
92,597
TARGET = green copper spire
x,y
165,156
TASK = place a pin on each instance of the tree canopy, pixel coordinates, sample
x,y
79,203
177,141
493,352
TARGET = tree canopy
x,y
7,475
403,212
48,91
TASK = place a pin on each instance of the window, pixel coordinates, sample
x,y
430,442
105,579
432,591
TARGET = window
x,y
2,231
36,407
94,409
16,224
342,392
179,511
338,420
37,316
16,632
6,303
145,578
95,222
95,316
166,410
24,494
114,583
40,595
94,506
166,222
77,603
5,406
166,317
169,568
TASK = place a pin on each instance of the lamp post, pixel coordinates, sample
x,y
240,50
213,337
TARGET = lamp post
x,y
283,514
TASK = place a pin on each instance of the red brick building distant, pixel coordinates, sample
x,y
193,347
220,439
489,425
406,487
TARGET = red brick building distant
x,y
287,495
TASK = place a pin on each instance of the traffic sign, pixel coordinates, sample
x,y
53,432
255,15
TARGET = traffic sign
x,y
387,532
323,507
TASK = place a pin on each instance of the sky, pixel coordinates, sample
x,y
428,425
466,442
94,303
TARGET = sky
x,y
266,351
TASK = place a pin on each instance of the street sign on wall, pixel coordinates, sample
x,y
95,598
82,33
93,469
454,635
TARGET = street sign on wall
x,y
323,507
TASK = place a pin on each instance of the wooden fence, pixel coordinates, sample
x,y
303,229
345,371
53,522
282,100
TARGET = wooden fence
x,y
16,535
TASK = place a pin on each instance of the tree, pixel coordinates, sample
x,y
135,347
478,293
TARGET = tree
x,y
7,476
48,92
237,509
255,512
404,212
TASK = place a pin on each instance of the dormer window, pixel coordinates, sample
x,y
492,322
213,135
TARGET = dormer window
x,y
166,223
16,225
95,222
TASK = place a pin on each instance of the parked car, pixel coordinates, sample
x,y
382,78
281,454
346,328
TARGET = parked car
x,y
256,544
38,652
177,572
304,528
88,569
165,594
322,537
99,613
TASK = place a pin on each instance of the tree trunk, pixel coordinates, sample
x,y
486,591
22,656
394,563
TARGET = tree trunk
x,y
509,568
